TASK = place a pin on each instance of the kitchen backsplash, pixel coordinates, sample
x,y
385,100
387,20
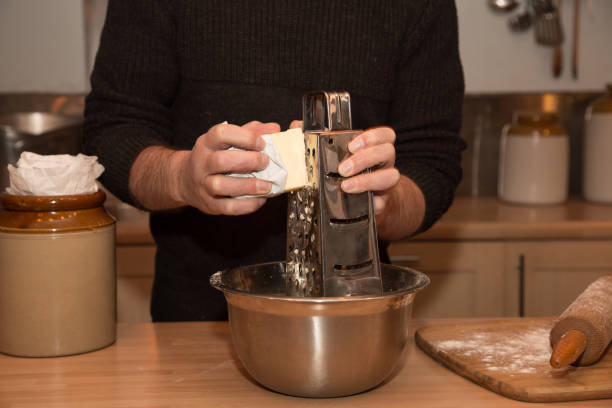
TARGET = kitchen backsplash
x,y
483,119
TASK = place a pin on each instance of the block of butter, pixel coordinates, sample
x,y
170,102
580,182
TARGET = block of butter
x,y
291,149
287,168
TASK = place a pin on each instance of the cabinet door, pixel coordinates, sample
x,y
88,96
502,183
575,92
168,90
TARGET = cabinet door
x,y
555,273
466,277
133,299
135,270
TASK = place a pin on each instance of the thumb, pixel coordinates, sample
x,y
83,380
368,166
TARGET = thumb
x,y
295,124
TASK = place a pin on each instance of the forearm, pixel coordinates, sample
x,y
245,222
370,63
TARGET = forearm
x,y
162,178
404,211
155,178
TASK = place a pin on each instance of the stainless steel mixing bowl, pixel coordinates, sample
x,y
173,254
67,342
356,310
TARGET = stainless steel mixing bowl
x,y
317,347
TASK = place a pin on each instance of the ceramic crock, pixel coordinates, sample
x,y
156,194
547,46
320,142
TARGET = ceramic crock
x,y
534,159
57,275
597,156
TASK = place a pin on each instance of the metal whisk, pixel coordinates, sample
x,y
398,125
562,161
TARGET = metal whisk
x,y
332,247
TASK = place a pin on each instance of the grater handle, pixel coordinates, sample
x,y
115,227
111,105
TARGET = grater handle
x,y
323,111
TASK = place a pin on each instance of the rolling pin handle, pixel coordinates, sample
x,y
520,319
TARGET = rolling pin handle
x,y
568,349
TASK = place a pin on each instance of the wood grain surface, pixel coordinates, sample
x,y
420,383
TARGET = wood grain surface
x,y
468,218
511,357
156,365
491,218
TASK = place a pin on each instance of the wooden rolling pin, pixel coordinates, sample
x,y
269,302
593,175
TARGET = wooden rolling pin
x,y
582,333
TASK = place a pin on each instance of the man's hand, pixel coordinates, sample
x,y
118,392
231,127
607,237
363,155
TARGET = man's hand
x,y
398,202
162,178
202,179
372,149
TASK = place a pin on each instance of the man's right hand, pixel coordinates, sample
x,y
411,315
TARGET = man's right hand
x,y
199,177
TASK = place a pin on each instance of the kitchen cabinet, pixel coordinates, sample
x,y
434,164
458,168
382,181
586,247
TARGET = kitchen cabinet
x,y
485,258
551,274
502,278
135,269
467,278
488,278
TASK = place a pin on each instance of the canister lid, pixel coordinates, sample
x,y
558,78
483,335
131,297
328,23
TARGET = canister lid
x,y
602,104
534,123
53,213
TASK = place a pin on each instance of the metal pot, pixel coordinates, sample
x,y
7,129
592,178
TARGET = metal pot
x,y
38,132
317,347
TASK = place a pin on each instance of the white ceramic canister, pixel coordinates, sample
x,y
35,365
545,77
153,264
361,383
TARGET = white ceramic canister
x,y
597,155
534,160
57,275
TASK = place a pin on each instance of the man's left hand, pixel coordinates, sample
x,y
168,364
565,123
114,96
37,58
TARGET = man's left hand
x,y
373,149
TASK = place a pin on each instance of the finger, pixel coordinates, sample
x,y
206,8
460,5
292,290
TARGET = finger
x,y
238,206
382,155
236,161
223,136
296,124
228,186
380,202
372,137
378,180
262,128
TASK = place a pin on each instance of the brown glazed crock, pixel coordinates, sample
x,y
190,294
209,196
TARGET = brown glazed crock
x,y
32,214
525,123
57,275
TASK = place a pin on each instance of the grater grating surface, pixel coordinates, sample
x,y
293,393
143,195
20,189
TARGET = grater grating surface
x,y
332,248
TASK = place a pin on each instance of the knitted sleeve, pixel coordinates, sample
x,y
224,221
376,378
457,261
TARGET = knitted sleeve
x,y
133,85
426,108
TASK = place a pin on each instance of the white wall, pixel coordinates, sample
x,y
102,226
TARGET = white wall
x,y
498,60
42,46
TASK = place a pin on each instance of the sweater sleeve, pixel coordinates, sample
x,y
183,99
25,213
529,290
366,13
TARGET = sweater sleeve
x,y
426,108
132,88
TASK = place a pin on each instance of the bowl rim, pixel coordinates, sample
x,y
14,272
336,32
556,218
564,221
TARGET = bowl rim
x,y
422,281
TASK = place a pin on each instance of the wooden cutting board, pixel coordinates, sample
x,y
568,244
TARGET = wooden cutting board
x,y
510,357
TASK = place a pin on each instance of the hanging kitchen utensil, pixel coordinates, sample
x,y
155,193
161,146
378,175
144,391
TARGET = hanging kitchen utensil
x,y
503,5
557,65
575,40
522,21
548,30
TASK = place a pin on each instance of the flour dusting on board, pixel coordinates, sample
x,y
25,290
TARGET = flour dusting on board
x,y
524,352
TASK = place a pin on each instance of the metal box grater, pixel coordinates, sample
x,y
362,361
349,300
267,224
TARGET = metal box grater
x,y
332,247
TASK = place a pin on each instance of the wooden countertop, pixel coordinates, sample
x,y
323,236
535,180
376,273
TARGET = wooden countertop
x,y
484,218
479,218
193,365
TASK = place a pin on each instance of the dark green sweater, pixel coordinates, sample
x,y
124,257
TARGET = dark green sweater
x,y
167,71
